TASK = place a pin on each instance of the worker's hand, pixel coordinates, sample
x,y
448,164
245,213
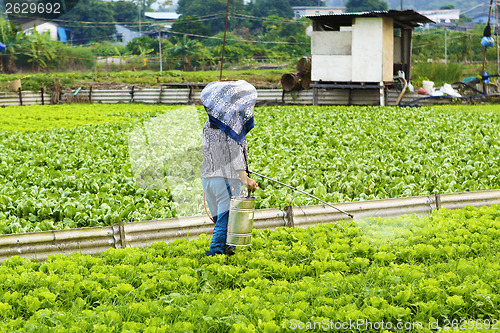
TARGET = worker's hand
x,y
248,182
251,184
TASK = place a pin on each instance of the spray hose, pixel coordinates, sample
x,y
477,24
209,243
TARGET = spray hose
x,y
303,192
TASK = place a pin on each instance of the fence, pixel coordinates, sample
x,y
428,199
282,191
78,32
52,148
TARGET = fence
x,y
25,98
94,240
190,94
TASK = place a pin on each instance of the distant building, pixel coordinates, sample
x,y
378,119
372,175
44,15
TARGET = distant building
x,y
162,16
301,11
165,19
440,17
124,35
44,26
41,26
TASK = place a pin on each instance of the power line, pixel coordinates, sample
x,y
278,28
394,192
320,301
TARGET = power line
x,y
132,23
255,18
235,40
193,18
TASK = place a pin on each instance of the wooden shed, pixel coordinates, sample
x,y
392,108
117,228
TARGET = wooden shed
x,y
362,50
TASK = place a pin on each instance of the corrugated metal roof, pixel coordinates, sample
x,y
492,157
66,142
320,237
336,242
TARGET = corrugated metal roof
x,y
401,17
162,15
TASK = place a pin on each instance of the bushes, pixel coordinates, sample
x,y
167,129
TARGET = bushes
x,y
438,72
38,52
107,49
73,58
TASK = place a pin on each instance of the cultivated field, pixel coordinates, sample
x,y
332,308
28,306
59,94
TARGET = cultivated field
x,y
69,166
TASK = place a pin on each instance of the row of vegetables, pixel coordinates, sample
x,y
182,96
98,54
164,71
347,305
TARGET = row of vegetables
x,y
71,166
418,274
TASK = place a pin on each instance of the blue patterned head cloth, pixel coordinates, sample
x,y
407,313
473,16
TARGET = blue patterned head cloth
x,y
229,105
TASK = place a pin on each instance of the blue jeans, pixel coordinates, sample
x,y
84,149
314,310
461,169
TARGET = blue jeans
x,y
218,192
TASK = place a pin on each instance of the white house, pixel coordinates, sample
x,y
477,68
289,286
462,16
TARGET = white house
x,y
55,32
41,26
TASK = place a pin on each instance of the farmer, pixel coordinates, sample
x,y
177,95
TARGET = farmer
x,y
224,170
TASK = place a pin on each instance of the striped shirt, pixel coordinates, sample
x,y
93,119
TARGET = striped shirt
x,y
222,156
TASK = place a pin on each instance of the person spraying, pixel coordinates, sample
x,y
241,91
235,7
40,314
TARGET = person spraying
x,y
224,170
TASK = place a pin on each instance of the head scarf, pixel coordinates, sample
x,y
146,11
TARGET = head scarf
x,y
230,105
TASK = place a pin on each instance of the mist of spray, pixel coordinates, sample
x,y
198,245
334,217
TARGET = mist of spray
x,y
381,231
165,153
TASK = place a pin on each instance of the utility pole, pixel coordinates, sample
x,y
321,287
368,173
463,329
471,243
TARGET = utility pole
x,y
159,42
445,47
496,31
140,18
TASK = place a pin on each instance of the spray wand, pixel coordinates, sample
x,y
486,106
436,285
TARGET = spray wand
x,y
298,190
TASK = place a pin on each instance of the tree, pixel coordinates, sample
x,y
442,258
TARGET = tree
x,y
140,59
277,28
183,51
41,51
191,25
15,40
354,6
138,44
448,6
214,8
234,50
291,35
90,21
265,8
205,58
464,18
125,11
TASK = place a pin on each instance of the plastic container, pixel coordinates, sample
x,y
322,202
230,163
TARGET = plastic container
x,y
428,86
240,221
487,41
